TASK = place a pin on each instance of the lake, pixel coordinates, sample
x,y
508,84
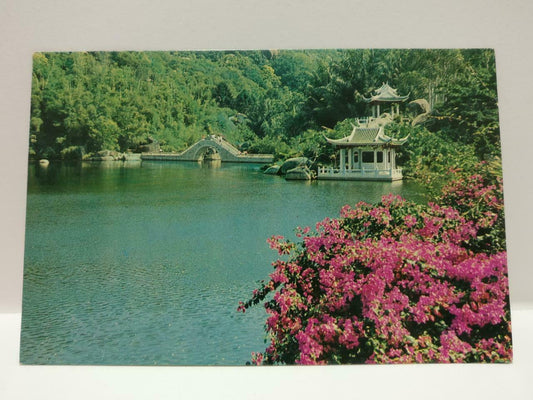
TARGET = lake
x,y
145,263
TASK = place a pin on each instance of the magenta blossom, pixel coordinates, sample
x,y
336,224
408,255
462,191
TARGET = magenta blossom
x,y
395,282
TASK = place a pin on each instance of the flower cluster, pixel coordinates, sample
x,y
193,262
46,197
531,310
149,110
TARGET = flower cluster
x,y
395,282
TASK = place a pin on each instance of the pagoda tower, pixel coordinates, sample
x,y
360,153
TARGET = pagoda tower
x,y
385,96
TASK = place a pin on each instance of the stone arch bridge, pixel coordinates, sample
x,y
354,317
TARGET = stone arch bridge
x,y
212,147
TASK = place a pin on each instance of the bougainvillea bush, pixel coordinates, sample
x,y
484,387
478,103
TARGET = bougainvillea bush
x,y
394,282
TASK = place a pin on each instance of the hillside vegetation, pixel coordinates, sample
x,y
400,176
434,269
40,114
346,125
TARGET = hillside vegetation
x,y
278,102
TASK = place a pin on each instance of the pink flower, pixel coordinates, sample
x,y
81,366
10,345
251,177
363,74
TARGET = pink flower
x,y
410,221
412,283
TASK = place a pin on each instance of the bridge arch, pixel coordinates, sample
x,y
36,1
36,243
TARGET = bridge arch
x,y
207,152
213,144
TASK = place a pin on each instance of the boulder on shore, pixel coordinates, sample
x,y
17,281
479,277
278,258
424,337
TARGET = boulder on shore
x,y
292,163
106,155
299,174
272,170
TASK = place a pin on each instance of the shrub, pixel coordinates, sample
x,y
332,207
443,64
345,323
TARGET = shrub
x,y
72,153
395,282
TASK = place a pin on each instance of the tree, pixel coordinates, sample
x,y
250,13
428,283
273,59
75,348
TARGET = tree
x,y
176,97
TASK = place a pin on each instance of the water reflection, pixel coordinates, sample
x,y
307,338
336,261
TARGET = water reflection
x,y
111,164
145,263
210,163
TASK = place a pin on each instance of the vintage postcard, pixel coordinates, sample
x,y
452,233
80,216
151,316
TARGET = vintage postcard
x,y
269,207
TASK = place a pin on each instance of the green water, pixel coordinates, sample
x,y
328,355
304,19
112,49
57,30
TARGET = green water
x,y
130,263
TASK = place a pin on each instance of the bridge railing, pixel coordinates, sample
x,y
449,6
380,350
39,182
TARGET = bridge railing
x,y
226,146
216,142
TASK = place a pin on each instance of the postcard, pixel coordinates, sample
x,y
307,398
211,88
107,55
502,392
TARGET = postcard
x,y
266,207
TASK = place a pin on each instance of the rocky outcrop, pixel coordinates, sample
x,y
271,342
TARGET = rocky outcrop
x,y
297,168
110,155
300,173
272,170
292,163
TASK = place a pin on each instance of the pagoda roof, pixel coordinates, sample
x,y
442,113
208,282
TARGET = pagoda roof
x,y
367,136
385,94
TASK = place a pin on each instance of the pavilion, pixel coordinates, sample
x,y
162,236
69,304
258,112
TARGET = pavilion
x,y
386,95
368,153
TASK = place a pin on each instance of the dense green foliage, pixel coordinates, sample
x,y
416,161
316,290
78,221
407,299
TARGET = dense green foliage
x,y
277,102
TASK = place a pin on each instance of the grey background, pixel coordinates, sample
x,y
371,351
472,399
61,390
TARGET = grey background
x,y
75,25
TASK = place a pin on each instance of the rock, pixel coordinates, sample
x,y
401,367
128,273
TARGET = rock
x,y
132,156
108,155
293,163
272,170
104,153
299,174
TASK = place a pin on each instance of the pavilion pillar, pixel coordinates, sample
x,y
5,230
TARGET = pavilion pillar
x,y
350,158
342,160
